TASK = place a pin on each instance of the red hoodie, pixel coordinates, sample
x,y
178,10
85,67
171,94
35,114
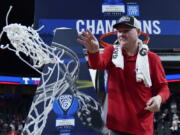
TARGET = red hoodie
x,y
126,97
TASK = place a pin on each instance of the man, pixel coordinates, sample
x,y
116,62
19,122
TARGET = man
x,y
136,80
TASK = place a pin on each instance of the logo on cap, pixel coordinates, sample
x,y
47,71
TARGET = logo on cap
x,y
125,19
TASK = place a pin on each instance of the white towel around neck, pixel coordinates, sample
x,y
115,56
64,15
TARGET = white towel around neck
x,y
142,62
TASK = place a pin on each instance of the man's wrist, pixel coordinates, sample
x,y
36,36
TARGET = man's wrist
x,y
94,51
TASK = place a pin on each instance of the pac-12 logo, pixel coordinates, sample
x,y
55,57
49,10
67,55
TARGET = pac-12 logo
x,y
65,101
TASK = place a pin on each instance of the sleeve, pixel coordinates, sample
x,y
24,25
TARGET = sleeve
x,y
99,60
160,84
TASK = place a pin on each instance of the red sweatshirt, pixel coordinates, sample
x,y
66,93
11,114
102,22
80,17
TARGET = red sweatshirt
x,y
126,97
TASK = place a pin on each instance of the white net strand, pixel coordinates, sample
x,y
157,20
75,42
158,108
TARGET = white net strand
x,y
7,15
75,60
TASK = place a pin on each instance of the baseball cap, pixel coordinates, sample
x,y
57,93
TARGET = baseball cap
x,y
129,21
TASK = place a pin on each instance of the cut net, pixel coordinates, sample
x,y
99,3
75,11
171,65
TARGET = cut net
x,y
26,40
62,66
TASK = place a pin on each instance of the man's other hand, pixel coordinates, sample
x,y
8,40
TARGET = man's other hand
x,y
154,104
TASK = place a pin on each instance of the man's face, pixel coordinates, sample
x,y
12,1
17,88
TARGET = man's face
x,y
127,34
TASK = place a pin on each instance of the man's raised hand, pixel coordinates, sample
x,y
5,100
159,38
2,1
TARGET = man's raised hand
x,y
89,41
